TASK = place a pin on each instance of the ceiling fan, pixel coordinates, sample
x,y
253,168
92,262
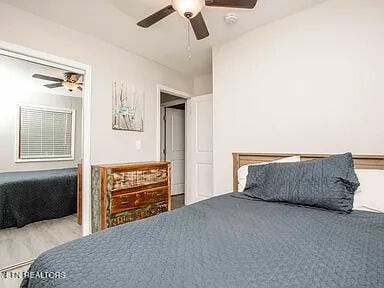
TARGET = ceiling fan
x,y
191,10
71,81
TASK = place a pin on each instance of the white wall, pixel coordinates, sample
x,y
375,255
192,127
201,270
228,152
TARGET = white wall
x,y
202,84
108,63
8,127
312,82
19,88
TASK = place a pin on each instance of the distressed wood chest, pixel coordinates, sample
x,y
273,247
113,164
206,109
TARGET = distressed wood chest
x,y
129,192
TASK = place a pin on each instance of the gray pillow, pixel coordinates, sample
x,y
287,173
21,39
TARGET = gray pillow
x,y
328,183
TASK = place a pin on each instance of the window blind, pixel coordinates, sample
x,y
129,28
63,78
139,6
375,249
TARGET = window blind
x,y
45,133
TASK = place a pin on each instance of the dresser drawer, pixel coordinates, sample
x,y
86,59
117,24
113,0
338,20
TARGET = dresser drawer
x,y
139,178
134,200
138,213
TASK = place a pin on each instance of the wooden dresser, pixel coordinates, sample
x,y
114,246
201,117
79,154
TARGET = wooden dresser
x,y
129,192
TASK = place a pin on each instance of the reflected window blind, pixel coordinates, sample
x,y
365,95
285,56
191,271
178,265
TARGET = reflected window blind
x,y
45,133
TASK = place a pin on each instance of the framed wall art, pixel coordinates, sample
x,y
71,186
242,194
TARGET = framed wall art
x,y
128,107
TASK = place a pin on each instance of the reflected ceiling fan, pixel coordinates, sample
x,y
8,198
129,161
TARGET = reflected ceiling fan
x,y
71,81
191,10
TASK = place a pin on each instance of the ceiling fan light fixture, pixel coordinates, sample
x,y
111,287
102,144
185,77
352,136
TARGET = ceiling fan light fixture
x,y
188,8
70,86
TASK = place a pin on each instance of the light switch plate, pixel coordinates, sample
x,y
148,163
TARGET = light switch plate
x,y
138,145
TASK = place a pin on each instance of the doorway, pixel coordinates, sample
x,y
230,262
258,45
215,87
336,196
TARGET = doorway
x,y
47,129
198,143
172,143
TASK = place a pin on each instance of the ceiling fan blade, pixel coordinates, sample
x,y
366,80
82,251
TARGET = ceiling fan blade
x,y
199,26
48,78
156,17
80,88
53,85
246,4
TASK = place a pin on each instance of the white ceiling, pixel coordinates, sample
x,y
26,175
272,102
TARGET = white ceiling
x,y
22,72
115,21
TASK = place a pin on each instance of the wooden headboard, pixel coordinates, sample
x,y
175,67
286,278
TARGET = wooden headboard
x,y
240,159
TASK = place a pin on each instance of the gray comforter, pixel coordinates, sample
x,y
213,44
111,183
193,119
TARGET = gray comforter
x,y
31,196
226,242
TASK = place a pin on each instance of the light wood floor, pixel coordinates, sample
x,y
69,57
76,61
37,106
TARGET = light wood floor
x,y
26,243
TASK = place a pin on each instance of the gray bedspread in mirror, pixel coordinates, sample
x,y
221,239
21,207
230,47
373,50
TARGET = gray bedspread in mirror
x,y
228,241
30,196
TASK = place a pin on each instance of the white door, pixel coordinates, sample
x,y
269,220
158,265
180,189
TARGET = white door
x,y
201,152
175,148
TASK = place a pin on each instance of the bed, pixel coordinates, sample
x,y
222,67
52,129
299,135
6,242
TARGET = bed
x,y
227,241
27,197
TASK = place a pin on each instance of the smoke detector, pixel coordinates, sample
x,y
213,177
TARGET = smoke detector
x,y
231,18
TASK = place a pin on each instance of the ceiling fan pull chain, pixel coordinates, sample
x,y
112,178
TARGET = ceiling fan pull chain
x,y
189,49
